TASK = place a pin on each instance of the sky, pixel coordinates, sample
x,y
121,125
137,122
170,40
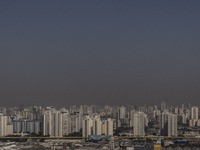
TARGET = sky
x,y
103,52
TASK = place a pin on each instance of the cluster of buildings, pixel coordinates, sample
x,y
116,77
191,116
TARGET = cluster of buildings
x,y
88,120
60,123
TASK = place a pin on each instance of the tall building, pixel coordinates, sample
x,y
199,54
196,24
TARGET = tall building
x,y
9,130
195,113
183,119
75,122
3,125
156,114
109,127
34,127
52,122
176,110
65,121
96,126
168,124
87,126
122,112
131,117
139,124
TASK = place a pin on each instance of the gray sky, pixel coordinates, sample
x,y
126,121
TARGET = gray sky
x,y
99,52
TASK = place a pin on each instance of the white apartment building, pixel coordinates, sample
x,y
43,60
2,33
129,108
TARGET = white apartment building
x,y
139,124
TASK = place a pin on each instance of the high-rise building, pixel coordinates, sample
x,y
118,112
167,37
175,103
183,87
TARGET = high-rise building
x,y
156,114
195,113
131,117
183,119
9,130
122,112
3,125
96,126
168,124
65,121
139,124
109,127
52,122
75,122
87,126
176,110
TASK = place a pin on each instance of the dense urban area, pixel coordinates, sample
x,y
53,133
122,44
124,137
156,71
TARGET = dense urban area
x,y
100,127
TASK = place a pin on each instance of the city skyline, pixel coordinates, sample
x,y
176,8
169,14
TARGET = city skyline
x,y
87,120
107,126
100,75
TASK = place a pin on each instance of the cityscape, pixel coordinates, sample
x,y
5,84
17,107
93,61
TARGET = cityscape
x,y
99,75
101,127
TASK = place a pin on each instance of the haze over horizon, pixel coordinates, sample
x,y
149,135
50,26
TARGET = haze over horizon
x,y
99,52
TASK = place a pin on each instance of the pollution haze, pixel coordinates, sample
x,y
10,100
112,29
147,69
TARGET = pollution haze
x,y
113,52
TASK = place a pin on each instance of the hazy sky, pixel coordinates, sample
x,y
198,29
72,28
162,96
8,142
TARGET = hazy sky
x,y
99,52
